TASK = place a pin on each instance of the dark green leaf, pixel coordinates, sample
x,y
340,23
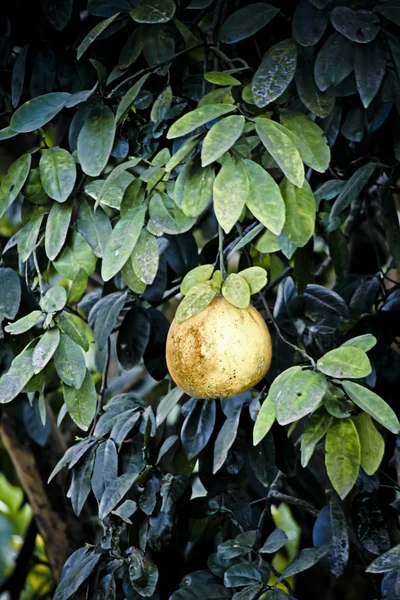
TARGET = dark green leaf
x,y
106,317
334,62
27,237
317,102
274,542
57,228
57,173
172,489
154,11
339,254
144,257
132,48
81,403
105,468
389,561
77,255
242,544
198,427
307,558
10,293
200,591
241,575
69,362
370,68
37,112
309,23
43,73
342,455
275,72
96,139
16,378
73,577
133,337
196,118
93,34
129,98
226,437
360,26
352,188
45,349
354,125
372,404
13,182
246,21
18,76
114,492
167,216
73,326
167,404
80,485
122,241
230,192
58,12
390,224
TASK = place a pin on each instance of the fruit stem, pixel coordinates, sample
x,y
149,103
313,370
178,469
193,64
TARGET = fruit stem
x,y
221,251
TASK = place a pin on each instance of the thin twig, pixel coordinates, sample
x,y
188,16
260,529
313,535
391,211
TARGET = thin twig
x,y
221,251
35,260
286,499
278,331
285,273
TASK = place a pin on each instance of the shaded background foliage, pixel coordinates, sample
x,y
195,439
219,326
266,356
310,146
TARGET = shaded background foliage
x,y
109,196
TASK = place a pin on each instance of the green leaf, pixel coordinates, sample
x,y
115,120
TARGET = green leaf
x,y
307,558
23,324
352,188
57,228
221,78
27,237
182,153
363,342
267,243
93,34
316,427
389,561
78,286
6,133
369,68
246,239
167,216
122,241
339,253
57,173
81,403
37,112
221,138
231,187
13,182
96,139
75,328
371,441
300,212
81,568
114,493
275,72
246,21
167,404
58,15
33,189
242,544
265,420
106,317
144,257
329,190
94,226
372,404
360,26
45,349
334,62
196,300
256,277
194,188
195,276
342,455
131,279
20,372
264,199
161,106
314,150
282,149
198,117
69,362
10,293
154,11
200,591
274,542
296,394
240,575
345,363
319,103
129,98
309,23
54,299
236,290
76,255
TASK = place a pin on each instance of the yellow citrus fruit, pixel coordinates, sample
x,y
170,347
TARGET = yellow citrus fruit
x,y
221,351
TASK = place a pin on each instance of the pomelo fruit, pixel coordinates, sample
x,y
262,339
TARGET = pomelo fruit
x,y
221,351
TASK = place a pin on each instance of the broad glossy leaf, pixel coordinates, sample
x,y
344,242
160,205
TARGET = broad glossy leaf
x,y
10,292
236,290
221,138
76,255
231,187
161,106
81,403
372,404
246,21
329,190
129,98
369,68
93,34
78,286
18,76
198,427
196,300
13,181
274,542
167,404
221,78
256,277
307,558
296,394
27,237
240,575
300,212
20,372
194,188
309,23
172,489
371,441
345,363
247,238
154,11
360,26
131,279
69,362
275,72
23,324
225,438
45,348
196,118
58,12
264,198
105,315
314,150
7,133
265,420
316,427
114,493
334,62
200,591
319,103
73,577
57,173
96,139
242,544
122,241
94,226
133,337
132,48
363,342
43,73
389,561
282,149
182,153
342,455
167,216
37,112
195,276
144,257
57,228
76,328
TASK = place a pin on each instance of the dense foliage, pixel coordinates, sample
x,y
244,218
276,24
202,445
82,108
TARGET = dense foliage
x,y
153,150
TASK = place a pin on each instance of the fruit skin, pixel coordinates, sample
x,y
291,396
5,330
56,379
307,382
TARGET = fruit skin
x,y
220,352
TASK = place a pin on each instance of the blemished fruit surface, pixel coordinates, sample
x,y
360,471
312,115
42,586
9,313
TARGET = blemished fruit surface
x,y
220,352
